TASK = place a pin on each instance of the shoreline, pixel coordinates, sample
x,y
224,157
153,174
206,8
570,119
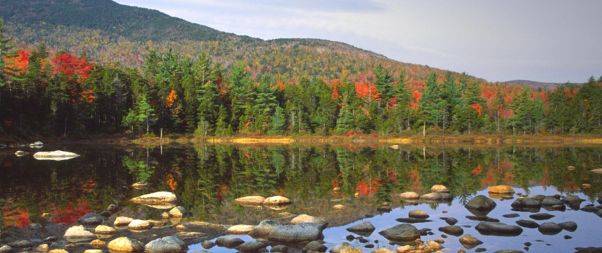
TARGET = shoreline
x,y
372,140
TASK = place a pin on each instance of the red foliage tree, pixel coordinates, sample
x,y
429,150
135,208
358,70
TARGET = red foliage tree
x,y
71,66
366,90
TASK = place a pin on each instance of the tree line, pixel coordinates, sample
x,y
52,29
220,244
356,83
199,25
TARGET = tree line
x,y
63,94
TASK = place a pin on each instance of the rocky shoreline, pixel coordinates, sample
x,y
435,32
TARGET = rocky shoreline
x,y
111,230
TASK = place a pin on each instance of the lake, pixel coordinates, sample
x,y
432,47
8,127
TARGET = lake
x,y
364,181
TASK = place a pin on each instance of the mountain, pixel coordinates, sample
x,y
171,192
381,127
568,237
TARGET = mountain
x,y
533,84
109,32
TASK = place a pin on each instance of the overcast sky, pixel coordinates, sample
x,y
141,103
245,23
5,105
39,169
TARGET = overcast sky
x,y
542,40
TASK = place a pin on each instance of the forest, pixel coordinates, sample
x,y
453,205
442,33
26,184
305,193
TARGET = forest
x,y
61,93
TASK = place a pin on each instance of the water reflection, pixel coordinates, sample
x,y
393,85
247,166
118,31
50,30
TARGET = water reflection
x,y
207,178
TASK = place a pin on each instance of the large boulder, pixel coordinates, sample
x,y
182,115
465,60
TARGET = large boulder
x,y
155,198
527,223
401,232
250,200
273,231
228,241
549,228
568,226
124,244
498,228
480,205
168,244
78,234
528,202
139,225
362,228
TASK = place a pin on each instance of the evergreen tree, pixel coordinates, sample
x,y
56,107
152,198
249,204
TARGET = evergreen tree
x,y
222,126
384,84
278,121
345,119
4,52
141,114
431,104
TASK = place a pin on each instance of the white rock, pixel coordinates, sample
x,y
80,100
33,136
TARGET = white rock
x,y
139,225
122,221
250,200
304,218
155,198
78,234
409,195
240,229
104,230
124,244
57,155
277,200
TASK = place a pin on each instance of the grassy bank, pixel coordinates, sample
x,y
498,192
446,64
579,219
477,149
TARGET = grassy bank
x,y
373,140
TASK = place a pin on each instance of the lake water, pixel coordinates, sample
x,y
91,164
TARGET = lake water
x,y
206,180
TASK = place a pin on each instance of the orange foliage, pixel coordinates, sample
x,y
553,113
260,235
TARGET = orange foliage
x,y
416,97
367,188
477,108
477,170
17,217
171,182
18,64
70,213
171,98
71,66
366,90
88,96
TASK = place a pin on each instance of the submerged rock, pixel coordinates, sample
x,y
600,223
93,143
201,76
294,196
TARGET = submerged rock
x,y
480,205
362,228
412,220
452,230
568,226
498,228
57,155
436,196
549,228
273,231
450,220
418,214
250,200
124,244
402,232
315,246
551,201
155,198
541,216
253,246
168,244
527,223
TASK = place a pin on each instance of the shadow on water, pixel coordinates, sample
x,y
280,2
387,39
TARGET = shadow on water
x,y
206,179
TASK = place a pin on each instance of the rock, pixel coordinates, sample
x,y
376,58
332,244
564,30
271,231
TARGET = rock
x,y
469,241
404,249
304,218
362,228
207,244
273,231
527,223
112,208
482,218
439,188
99,244
510,215
36,144
551,201
541,216
41,248
597,171
57,155
240,229
315,246
338,207
58,251
122,221
450,220
573,201
412,220
155,198
93,251
345,248
104,230
253,246
409,195
382,250
436,196
21,244
91,219
549,228
279,248
124,244
277,200
78,234
21,153
139,185
394,146
177,212
168,244
228,241
164,215
568,226
250,200
139,225
418,214
452,230
402,232
500,189
498,228
480,205
526,203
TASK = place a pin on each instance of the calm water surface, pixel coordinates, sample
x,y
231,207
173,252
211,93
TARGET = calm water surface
x,y
206,179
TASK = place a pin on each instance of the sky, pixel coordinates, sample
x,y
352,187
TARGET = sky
x,y
541,40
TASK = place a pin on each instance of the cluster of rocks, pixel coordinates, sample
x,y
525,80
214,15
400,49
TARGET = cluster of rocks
x,y
438,193
260,200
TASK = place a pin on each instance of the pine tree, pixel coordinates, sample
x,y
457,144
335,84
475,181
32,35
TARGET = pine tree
x,y
4,52
431,104
345,119
222,126
264,105
278,121
384,84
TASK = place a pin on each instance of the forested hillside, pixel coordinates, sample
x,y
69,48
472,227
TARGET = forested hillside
x,y
138,70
